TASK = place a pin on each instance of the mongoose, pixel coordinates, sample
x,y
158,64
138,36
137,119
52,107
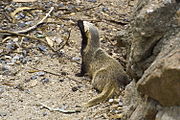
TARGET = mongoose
x,y
107,74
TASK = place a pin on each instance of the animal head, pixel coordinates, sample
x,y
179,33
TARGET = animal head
x,y
90,36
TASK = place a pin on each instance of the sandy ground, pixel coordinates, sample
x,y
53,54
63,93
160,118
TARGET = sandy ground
x,y
46,79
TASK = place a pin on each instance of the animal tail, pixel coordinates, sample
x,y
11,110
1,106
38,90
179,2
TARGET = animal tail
x,y
107,92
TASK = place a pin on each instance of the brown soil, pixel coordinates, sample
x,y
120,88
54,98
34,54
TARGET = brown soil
x,y
22,91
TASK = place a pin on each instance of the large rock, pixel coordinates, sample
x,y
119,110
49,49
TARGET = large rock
x,y
168,113
154,53
153,61
163,82
145,111
154,20
138,108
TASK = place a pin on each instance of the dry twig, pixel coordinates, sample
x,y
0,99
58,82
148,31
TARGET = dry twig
x,y
60,109
36,25
52,73
30,37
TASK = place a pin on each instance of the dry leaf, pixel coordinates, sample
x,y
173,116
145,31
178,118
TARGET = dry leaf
x,y
117,116
24,0
6,39
32,71
8,83
19,10
49,41
72,13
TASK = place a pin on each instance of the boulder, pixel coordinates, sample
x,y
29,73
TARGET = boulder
x,y
154,52
162,80
154,20
168,113
153,45
138,108
145,111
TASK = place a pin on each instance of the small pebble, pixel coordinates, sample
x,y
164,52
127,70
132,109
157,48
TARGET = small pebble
x,y
16,58
26,39
120,103
111,100
33,77
75,59
104,41
40,35
5,68
104,9
64,73
39,96
92,1
42,48
29,22
9,8
126,20
61,80
21,24
2,7
11,45
74,89
24,60
116,111
1,51
2,89
44,113
20,16
61,5
45,80
2,62
19,87
62,52
71,7
40,73
3,114
24,52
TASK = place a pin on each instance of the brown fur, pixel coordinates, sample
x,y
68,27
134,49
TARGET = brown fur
x,y
107,74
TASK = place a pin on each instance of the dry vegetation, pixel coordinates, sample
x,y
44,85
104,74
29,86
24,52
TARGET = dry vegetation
x,y
39,57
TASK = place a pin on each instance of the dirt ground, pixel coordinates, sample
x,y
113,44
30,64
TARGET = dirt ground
x,y
33,77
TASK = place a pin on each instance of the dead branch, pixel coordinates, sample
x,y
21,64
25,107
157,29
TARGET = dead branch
x,y
34,38
60,109
117,22
59,75
36,25
30,37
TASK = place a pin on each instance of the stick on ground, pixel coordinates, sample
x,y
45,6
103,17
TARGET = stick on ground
x,y
36,25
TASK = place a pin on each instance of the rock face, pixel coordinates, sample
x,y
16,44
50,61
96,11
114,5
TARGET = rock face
x,y
163,83
168,113
137,108
154,21
154,61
